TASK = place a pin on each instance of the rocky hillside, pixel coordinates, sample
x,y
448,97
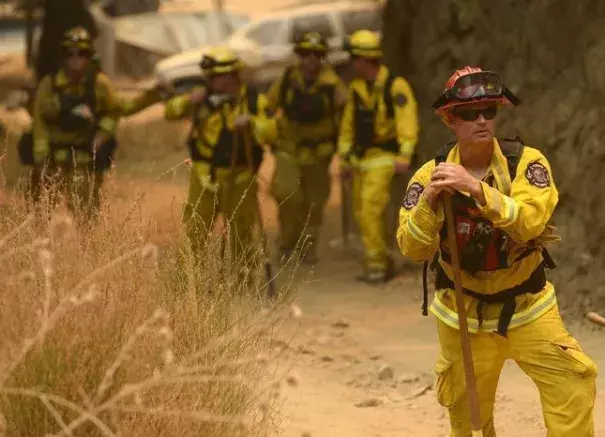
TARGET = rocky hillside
x,y
552,55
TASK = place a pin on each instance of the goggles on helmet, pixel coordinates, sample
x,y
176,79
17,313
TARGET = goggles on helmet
x,y
484,85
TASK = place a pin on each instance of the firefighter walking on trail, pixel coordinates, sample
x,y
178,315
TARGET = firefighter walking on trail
x,y
76,112
504,196
221,180
378,136
310,97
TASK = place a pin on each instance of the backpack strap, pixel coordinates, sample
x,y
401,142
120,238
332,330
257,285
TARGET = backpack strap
x,y
388,98
441,155
90,90
284,85
252,100
512,149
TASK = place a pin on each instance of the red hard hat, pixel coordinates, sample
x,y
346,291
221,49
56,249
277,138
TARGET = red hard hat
x,y
471,84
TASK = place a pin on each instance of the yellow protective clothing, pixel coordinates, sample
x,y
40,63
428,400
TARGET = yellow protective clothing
x,y
536,338
545,351
374,165
214,188
308,128
400,129
66,137
301,192
524,215
307,142
371,193
51,138
235,199
141,102
80,186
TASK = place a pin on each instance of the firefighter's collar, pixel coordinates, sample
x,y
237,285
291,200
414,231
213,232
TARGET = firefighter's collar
x,y
61,79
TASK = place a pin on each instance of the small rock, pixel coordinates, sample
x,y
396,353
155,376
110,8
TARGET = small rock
x,y
407,379
375,357
368,403
352,359
420,391
292,380
327,359
323,340
385,372
305,350
341,324
305,434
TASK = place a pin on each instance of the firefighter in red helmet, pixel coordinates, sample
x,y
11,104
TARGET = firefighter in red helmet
x,y
503,198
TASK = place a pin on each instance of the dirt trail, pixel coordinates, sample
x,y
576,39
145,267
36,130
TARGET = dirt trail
x,y
360,359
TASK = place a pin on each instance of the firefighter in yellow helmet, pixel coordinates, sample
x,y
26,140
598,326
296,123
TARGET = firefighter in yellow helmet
x,y
503,199
378,136
310,97
221,179
76,112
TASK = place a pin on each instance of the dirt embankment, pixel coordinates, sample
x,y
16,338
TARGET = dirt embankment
x,y
552,55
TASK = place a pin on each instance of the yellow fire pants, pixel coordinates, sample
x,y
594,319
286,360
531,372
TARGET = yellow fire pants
x,y
301,192
545,351
236,203
371,194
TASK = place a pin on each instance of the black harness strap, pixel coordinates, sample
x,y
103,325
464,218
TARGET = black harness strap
x,y
512,149
533,285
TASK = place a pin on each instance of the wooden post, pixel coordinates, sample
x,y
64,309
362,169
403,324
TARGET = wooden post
x,y
30,6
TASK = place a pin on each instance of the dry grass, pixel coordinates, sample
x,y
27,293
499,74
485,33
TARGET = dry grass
x,y
103,333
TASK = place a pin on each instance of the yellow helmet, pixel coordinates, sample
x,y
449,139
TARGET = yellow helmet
x,y
77,37
220,60
364,43
311,42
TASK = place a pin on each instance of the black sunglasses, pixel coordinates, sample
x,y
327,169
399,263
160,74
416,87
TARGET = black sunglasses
x,y
468,114
81,53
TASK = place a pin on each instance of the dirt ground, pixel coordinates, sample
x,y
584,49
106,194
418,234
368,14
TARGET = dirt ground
x,y
359,360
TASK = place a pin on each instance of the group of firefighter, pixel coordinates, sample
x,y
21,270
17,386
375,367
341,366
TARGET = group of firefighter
x,y
502,197
307,116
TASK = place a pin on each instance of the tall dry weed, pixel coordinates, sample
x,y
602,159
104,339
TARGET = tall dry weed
x,y
103,333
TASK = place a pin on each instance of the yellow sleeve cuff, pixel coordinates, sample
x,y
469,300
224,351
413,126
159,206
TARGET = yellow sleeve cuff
x,y
499,209
177,107
406,149
108,125
425,218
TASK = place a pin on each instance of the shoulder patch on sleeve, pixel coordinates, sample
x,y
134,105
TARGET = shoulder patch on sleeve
x,y
537,175
400,99
412,196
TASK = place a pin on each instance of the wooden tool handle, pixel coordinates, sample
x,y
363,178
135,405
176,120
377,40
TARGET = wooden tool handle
x,y
467,356
596,318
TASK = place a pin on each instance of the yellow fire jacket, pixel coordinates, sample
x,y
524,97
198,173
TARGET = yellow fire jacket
x,y
141,102
523,214
394,135
210,129
310,114
51,117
